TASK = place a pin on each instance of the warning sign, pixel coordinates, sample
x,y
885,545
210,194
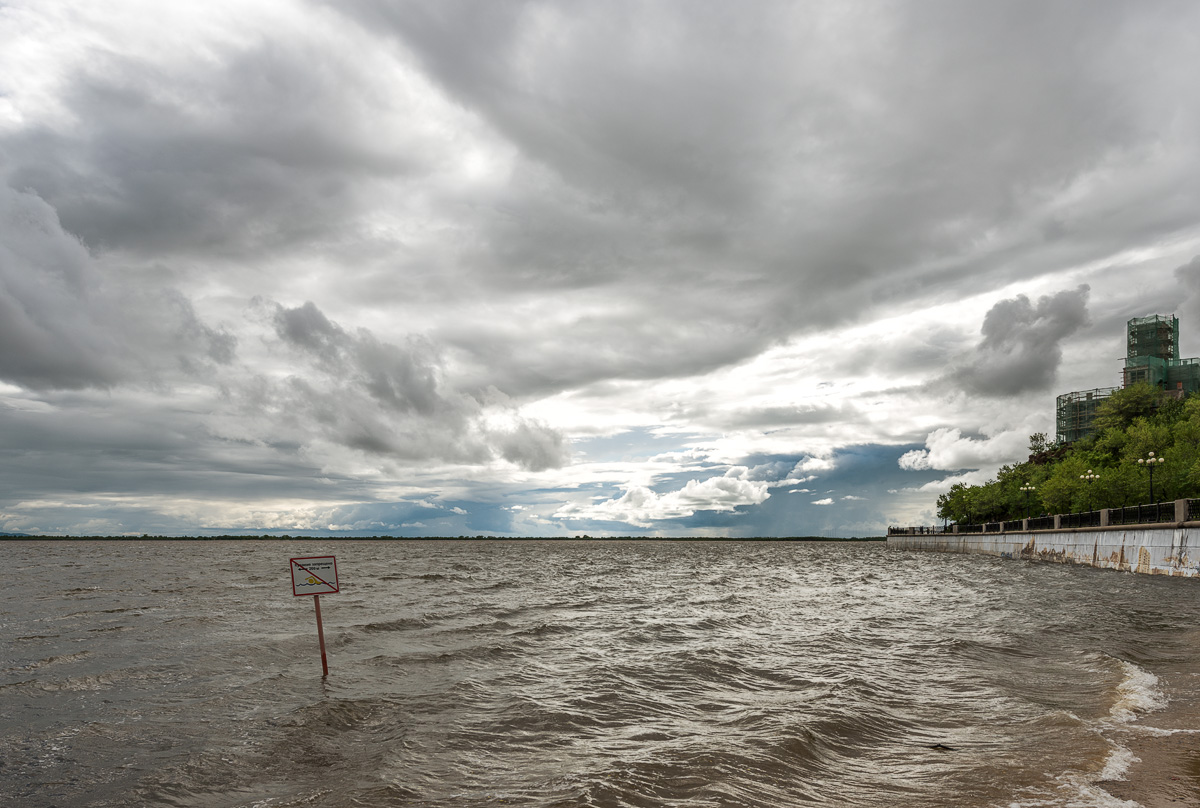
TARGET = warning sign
x,y
314,575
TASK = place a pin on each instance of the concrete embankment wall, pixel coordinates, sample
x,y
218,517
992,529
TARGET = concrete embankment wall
x,y
1172,549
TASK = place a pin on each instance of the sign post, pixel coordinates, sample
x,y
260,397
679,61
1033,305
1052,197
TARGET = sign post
x,y
316,576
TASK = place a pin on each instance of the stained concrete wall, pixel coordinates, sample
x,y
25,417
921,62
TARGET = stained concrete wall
x,y
1171,549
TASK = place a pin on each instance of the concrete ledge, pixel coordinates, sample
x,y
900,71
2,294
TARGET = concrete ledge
x,y
1097,529
1165,549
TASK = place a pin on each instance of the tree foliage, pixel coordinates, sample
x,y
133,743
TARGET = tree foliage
x,y
1130,424
1125,406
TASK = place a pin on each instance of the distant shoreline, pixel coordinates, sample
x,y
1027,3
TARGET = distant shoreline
x,y
288,537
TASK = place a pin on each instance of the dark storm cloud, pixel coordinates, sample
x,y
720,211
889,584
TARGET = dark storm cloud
x,y
400,379
139,449
546,354
1022,343
394,400
53,331
66,324
531,445
691,182
803,165
253,152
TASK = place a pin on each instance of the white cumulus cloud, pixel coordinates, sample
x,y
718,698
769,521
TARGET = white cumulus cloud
x,y
946,449
642,506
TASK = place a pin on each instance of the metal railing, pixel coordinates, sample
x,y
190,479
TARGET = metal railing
x,y
917,531
1088,519
1143,514
1158,513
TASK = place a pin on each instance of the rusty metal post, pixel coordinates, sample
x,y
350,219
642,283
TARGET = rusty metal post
x,y
321,636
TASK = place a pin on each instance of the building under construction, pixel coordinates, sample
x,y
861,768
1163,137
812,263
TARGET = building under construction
x,y
1076,411
1151,357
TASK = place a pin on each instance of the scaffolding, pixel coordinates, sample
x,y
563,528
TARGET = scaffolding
x,y
1076,412
1156,336
1152,357
1145,370
1183,377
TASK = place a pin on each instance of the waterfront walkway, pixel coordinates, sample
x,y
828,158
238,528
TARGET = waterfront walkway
x,y
1161,513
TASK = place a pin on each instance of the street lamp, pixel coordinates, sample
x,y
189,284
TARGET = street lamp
x,y
1089,477
1150,461
1028,489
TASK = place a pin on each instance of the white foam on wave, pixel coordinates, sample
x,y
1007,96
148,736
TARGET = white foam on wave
x,y
1091,796
1082,790
1117,764
1078,795
1138,693
1162,733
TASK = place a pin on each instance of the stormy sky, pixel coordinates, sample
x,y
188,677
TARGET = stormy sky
x,y
561,268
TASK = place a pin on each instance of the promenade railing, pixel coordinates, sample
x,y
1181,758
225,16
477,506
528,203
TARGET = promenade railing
x,y
1088,519
1142,514
1184,510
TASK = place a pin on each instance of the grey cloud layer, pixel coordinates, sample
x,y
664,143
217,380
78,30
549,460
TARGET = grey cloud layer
x,y
49,328
392,400
1022,343
252,152
829,161
801,165
447,212
65,324
1188,277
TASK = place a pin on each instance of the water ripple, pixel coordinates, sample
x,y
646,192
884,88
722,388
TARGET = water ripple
x,y
573,674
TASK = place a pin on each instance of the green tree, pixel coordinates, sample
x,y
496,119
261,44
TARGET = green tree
x,y
1120,409
1061,489
1185,432
1133,423
952,504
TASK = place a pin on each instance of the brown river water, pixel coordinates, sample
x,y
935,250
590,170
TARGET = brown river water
x,y
575,673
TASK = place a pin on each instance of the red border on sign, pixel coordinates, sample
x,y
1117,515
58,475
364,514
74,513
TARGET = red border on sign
x,y
292,562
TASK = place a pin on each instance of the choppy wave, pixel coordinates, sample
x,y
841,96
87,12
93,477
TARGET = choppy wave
x,y
664,675
1139,692
1136,693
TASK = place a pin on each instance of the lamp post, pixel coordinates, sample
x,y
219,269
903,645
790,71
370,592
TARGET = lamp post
x,y
1090,476
1150,461
1028,489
